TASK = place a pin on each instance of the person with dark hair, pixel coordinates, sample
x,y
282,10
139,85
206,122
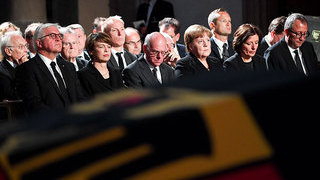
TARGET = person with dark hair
x,y
197,41
293,53
28,35
44,82
275,34
152,11
219,22
171,26
98,76
245,44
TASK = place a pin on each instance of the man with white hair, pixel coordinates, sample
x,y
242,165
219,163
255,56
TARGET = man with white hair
x,y
83,54
149,70
120,57
28,35
14,51
69,50
46,83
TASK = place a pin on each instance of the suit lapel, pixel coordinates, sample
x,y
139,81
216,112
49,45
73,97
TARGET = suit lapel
x,y
214,49
146,72
113,62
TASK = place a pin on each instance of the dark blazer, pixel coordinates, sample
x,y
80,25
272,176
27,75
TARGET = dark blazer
x,y
279,58
138,74
129,58
215,52
190,66
93,83
263,46
38,89
236,64
161,9
182,50
80,62
7,81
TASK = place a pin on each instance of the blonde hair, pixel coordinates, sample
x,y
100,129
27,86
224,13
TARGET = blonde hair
x,y
193,32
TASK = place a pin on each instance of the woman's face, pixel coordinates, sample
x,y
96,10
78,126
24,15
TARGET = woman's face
x,y
201,46
101,52
249,47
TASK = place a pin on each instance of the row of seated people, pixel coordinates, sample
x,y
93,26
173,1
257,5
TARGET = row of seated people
x,y
56,76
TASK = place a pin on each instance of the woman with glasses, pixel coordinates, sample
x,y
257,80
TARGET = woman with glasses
x,y
98,77
197,41
245,43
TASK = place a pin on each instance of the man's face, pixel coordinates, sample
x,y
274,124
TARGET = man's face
x,y
69,46
297,35
115,30
133,43
51,41
223,24
170,31
157,50
81,38
18,48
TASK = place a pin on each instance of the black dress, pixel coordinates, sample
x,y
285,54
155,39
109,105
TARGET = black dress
x,y
93,82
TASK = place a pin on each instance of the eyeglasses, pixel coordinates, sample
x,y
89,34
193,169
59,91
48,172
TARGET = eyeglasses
x,y
53,36
132,43
21,46
299,35
156,53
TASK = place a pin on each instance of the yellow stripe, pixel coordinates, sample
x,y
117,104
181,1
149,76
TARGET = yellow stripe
x,y
110,163
235,139
67,150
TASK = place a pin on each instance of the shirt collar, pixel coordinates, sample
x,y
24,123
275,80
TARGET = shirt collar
x,y
46,60
219,42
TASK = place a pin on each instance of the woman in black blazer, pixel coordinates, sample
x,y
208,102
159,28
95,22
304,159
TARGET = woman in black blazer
x,y
197,40
245,44
97,77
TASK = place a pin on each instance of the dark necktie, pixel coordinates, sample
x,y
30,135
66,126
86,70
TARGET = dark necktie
x,y
60,82
154,71
120,61
298,61
225,53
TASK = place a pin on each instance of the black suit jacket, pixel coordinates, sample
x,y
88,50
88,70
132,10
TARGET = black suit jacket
x,y
93,83
138,74
161,9
190,66
279,58
182,50
129,58
263,46
215,52
80,62
7,81
38,89
236,64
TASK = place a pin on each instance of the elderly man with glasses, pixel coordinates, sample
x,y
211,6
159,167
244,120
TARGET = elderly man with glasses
x,y
15,52
293,53
149,70
46,83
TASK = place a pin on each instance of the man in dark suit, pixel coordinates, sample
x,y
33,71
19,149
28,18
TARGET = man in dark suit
x,y
83,54
152,11
44,82
219,22
149,70
15,52
69,50
171,27
275,34
293,53
120,58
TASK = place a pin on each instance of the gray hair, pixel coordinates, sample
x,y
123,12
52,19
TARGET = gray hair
x,y
111,19
151,35
40,32
76,26
6,40
66,30
292,18
30,28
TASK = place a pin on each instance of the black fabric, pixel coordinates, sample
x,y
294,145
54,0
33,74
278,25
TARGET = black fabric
x,y
225,53
60,83
120,61
298,61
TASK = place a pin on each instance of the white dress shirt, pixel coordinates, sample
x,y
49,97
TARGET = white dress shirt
x,y
220,45
300,56
116,57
